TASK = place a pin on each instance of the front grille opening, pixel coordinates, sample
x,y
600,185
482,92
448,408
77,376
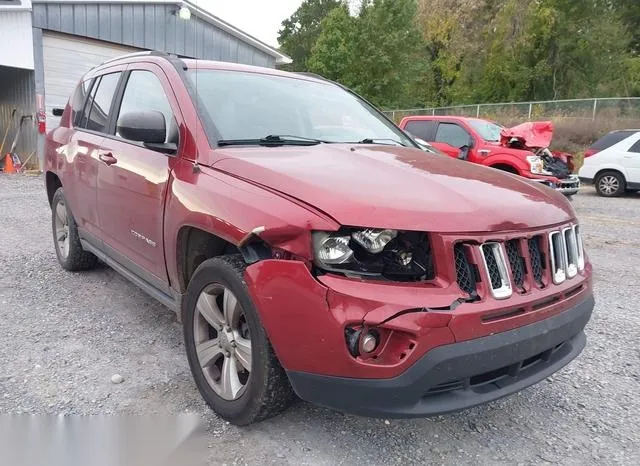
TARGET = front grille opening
x,y
558,257
503,315
546,302
573,291
493,268
446,387
464,272
537,259
572,251
516,261
494,376
490,376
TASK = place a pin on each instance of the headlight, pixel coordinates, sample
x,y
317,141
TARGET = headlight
x,y
401,256
536,165
372,240
331,249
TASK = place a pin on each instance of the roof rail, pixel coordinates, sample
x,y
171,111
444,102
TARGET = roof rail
x,y
172,58
145,53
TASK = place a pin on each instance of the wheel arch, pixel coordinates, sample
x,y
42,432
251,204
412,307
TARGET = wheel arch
x,y
52,183
603,171
195,245
507,167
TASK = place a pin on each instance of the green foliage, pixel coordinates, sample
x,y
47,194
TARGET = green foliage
x,y
300,32
412,53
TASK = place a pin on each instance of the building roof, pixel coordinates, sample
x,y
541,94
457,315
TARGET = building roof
x,y
197,11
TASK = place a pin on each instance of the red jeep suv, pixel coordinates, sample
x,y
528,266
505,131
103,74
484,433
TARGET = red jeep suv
x,y
309,246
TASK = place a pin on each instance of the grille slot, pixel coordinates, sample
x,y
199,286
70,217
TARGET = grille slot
x,y
571,245
537,259
464,274
576,231
516,261
496,266
558,255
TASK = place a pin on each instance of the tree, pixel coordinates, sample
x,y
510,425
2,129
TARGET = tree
x,y
300,32
377,53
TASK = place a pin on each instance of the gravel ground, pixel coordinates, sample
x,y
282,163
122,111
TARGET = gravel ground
x,y
65,335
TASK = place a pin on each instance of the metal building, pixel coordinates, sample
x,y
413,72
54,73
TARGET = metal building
x,y
47,45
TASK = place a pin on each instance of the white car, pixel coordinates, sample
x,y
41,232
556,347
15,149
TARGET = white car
x,y
612,163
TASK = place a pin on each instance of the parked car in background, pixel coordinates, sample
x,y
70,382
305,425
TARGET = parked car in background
x,y
309,246
612,163
522,150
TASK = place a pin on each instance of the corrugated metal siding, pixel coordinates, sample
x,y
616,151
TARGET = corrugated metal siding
x,y
18,91
66,59
148,26
16,39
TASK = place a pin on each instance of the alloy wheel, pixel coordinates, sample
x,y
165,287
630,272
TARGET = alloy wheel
x,y
223,342
62,229
609,184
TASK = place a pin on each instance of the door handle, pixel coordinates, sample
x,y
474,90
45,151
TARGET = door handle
x,y
107,158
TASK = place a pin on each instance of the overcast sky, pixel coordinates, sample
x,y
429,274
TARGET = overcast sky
x,y
259,18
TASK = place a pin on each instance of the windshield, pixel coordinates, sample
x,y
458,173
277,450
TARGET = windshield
x,y
487,130
251,106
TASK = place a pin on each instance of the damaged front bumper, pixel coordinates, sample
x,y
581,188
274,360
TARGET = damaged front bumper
x,y
460,375
435,355
567,186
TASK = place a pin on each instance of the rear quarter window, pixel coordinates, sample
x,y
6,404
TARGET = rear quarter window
x,y
78,101
610,139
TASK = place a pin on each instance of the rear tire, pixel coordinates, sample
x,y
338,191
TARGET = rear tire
x,y
610,184
71,255
217,335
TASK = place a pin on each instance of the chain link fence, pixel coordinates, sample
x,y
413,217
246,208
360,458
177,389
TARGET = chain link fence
x,y
584,109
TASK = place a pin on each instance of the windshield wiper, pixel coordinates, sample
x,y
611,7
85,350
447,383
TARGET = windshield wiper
x,y
272,140
383,141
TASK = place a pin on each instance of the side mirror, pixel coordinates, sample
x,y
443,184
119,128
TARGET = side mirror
x,y
447,149
148,127
57,112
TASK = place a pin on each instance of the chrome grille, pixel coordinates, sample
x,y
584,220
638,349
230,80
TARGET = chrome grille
x,y
496,266
558,257
508,266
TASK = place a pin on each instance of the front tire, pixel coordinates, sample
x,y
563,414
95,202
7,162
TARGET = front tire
x,y
610,184
231,358
71,255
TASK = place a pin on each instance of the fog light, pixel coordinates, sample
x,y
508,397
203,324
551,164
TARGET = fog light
x,y
369,342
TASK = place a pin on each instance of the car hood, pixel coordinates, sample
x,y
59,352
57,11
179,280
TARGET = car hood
x,y
533,134
397,187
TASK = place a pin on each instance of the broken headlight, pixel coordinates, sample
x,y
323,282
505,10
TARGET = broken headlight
x,y
383,253
536,165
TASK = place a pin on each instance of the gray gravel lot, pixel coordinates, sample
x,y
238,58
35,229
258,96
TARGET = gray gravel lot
x,y
64,335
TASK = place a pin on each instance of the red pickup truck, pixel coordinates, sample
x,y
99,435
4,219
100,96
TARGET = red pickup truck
x,y
522,150
309,246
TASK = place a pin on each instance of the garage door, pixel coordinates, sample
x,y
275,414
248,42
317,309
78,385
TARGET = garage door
x,y
66,59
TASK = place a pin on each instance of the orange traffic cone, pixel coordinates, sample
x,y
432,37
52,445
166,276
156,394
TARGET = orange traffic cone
x,y
8,164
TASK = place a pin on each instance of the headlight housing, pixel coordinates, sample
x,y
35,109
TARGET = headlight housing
x,y
371,252
536,165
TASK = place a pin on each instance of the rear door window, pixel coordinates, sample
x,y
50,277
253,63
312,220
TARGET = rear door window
x,y
97,109
610,139
421,129
453,135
